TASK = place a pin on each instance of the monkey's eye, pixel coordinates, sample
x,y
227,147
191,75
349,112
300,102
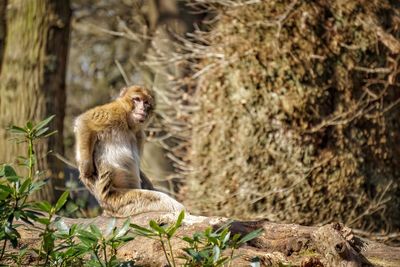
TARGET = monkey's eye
x,y
147,104
136,99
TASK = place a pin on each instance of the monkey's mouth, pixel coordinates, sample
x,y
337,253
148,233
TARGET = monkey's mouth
x,y
140,117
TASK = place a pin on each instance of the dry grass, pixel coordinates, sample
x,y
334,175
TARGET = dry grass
x,y
294,116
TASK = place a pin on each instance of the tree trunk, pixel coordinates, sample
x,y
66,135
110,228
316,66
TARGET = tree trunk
x,y
32,80
3,5
279,244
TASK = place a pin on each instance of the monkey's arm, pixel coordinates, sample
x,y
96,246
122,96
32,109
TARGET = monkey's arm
x,y
85,141
144,180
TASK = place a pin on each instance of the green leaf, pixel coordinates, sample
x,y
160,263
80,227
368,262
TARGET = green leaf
x,y
29,125
72,229
213,240
122,231
171,231
87,234
180,218
50,134
41,131
26,220
44,221
9,171
216,253
6,188
188,239
24,186
194,254
43,123
3,194
11,232
17,130
43,206
96,231
126,238
82,249
222,261
61,201
140,228
13,179
227,224
236,237
62,226
88,241
250,236
37,185
110,227
71,207
156,227
32,214
226,237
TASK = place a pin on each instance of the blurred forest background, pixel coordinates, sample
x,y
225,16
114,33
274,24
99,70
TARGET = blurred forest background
x,y
285,110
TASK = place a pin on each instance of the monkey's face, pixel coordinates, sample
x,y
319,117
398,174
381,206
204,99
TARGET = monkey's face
x,y
141,103
142,109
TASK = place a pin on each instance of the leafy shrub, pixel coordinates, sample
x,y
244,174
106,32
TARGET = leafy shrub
x,y
204,248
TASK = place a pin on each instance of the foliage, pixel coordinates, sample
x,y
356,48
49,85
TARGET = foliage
x,y
204,248
14,189
14,192
96,243
58,246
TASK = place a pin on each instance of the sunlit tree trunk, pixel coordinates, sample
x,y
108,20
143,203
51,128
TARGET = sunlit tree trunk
x,y
32,79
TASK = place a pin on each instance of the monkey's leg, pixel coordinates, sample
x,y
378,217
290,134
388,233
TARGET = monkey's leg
x,y
123,202
136,201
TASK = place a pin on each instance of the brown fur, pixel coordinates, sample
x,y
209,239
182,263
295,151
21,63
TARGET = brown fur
x,y
109,144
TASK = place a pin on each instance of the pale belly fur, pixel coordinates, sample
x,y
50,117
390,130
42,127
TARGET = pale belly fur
x,y
122,156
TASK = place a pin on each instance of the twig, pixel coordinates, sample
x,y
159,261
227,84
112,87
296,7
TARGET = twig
x,y
65,160
123,73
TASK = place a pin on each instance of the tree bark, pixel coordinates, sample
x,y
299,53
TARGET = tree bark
x,y
32,80
3,5
290,244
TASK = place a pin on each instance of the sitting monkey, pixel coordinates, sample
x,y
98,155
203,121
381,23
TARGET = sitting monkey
x,y
109,142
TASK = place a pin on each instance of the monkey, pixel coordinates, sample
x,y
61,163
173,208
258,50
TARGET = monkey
x,y
109,143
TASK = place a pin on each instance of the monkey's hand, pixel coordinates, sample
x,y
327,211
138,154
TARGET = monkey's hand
x,y
87,169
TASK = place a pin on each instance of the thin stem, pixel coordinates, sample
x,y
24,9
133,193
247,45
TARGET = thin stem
x,y
98,258
105,252
47,258
30,155
170,251
4,248
165,251
46,229
231,258
39,255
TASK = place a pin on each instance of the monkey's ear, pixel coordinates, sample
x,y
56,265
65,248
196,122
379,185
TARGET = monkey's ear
x,y
123,91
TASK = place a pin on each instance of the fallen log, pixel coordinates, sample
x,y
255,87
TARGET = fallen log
x,y
288,244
